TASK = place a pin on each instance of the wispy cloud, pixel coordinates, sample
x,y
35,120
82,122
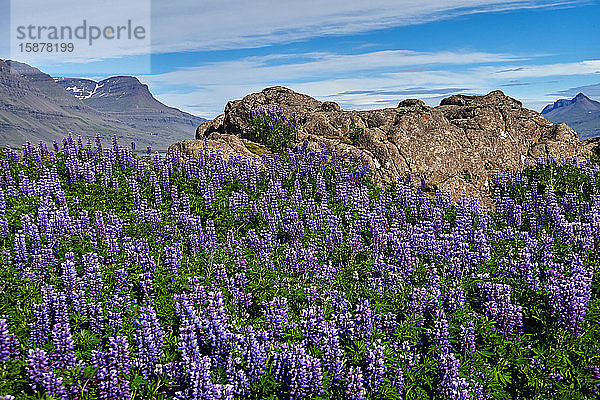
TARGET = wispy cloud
x,y
557,69
241,24
356,81
404,92
189,25
515,83
322,64
588,90
360,81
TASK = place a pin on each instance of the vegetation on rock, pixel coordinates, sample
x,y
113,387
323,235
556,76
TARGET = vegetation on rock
x,y
271,129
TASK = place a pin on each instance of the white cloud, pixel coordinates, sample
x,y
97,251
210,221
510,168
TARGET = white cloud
x,y
329,76
537,71
183,25
315,65
322,75
189,25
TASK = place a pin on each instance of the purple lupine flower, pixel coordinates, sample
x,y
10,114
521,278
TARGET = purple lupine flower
x,y
569,297
211,234
9,345
375,365
355,389
499,308
64,347
2,203
363,320
300,372
172,258
149,339
276,316
217,330
398,381
247,362
41,374
52,310
69,273
467,338
38,365
98,145
452,386
21,254
4,228
254,349
201,386
111,380
332,352
418,303
135,192
92,275
439,333
455,299
311,322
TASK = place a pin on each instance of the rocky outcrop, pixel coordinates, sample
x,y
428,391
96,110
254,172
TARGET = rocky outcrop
x,y
225,144
593,146
457,146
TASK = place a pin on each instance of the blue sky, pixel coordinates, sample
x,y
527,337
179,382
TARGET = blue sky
x,y
362,55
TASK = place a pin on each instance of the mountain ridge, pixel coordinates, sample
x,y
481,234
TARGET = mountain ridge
x,y
34,106
581,113
130,101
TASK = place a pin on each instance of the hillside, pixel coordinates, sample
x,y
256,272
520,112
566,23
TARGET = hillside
x,y
127,277
34,107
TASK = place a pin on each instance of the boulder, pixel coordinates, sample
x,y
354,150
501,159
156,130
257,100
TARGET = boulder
x,y
457,146
411,102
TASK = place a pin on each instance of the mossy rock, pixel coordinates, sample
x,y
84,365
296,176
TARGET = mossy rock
x,y
257,148
342,139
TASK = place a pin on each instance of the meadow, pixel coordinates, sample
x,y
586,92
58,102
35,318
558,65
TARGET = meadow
x,y
296,277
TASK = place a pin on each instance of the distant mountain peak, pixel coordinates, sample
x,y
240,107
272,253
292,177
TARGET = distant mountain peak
x,y
122,78
579,100
117,93
581,113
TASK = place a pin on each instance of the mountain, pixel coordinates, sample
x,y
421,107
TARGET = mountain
x,y
34,107
125,98
457,146
580,113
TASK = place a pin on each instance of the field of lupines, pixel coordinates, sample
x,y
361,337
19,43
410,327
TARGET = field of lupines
x,y
152,278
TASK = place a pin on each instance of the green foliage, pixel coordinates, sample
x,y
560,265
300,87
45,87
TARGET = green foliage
x,y
355,134
274,132
525,369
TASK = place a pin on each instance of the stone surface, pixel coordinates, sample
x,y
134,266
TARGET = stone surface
x,y
457,146
226,144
